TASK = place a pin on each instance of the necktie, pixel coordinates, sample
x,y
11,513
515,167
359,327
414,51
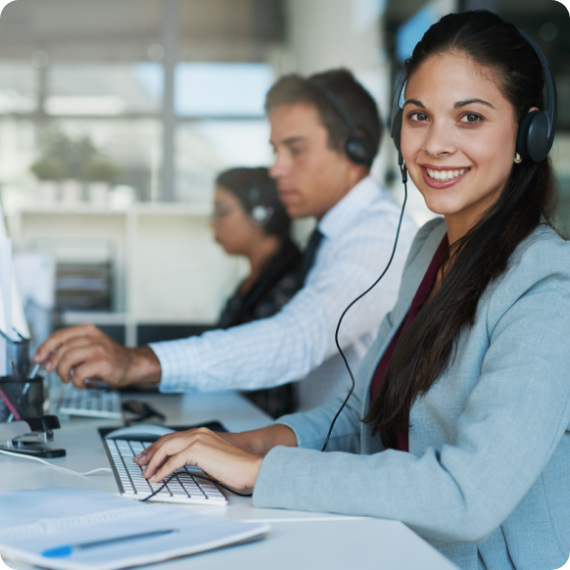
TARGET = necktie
x,y
310,255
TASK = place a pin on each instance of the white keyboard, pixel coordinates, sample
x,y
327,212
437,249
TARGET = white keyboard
x,y
184,488
65,400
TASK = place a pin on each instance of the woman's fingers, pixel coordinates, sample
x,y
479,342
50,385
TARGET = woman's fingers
x,y
165,447
173,463
144,457
213,454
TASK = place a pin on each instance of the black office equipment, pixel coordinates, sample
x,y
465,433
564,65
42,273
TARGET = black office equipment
x,y
30,436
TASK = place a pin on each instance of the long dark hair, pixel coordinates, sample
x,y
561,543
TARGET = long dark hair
x,y
426,348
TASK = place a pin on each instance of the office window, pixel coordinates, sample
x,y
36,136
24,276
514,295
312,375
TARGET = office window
x,y
204,148
221,89
134,145
18,87
105,89
221,123
17,152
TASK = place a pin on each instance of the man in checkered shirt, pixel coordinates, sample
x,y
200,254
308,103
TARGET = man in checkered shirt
x,y
356,227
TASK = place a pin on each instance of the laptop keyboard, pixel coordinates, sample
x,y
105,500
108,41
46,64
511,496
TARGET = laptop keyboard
x,y
183,488
92,402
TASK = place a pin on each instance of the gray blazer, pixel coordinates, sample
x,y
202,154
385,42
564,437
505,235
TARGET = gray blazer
x,y
487,479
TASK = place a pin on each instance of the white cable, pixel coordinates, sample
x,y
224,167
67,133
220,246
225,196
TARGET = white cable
x,y
23,456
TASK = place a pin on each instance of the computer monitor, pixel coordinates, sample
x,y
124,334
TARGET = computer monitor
x,y
13,322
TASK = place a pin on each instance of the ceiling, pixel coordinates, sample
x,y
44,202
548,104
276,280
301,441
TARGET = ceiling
x,y
123,30
210,30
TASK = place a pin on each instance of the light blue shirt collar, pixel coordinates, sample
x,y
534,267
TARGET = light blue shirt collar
x,y
341,216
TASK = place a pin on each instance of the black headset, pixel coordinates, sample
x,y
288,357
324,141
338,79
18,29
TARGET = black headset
x,y
356,147
259,212
536,131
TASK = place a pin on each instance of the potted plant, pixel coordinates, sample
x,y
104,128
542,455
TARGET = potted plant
x,y
70,154
74,161
75,153
101,173
49,171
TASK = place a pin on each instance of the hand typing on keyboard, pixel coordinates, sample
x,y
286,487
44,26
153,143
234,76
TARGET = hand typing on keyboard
x,y
82,352
210,451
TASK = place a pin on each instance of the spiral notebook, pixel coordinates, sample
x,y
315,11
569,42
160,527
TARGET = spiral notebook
x,y
35,521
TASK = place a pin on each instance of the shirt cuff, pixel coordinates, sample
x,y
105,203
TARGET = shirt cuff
x,y
179,365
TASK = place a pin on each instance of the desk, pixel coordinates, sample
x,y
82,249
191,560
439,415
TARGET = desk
x,y
297,540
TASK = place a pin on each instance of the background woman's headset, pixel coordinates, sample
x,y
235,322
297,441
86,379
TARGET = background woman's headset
x,y
259,211
536,131
356,147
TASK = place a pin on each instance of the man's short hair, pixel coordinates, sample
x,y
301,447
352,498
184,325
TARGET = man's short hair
x,y
359,104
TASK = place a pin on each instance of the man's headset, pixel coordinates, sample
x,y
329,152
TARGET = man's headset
x,y
536,130
260,213
534,141
356,147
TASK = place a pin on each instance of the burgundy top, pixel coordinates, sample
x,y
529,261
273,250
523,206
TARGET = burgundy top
x,y
418,302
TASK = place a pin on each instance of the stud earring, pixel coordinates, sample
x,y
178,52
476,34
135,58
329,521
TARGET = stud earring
x,y
518,158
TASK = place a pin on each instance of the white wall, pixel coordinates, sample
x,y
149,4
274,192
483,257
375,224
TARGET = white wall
x,y
332,33
324,34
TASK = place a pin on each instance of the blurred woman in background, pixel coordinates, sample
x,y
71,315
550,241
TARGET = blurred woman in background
x,y
249,220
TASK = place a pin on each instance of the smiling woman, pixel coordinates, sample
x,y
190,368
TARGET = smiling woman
x,y
458,140
464,101
465,393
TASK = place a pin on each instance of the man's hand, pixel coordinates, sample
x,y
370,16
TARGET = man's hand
x,y
210,451
82,352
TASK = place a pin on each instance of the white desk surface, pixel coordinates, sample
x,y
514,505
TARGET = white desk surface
x,y
297,540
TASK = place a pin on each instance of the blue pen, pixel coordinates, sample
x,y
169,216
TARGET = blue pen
x,y
68,550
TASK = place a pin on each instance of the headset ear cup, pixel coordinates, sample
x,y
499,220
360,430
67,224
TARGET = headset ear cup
x,y
532,137
396,130
358,150
260,215
523,135
537,143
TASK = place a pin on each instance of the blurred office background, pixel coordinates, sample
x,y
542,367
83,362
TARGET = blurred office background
x,y
116,116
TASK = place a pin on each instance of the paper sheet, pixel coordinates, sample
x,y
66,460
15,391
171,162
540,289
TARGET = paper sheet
x,y
36,520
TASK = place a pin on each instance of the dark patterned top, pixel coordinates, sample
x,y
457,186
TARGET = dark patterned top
x,y
272,291
418,302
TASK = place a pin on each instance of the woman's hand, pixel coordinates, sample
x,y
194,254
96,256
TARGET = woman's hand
x,y
261,441
209,451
